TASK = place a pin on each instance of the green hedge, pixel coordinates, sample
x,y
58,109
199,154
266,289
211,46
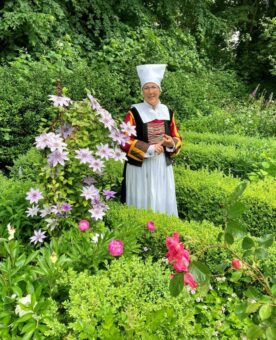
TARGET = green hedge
x,y
201,195
13,205
244,142
199,237
228,159
196,235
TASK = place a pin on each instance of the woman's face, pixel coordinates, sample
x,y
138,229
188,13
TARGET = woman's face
x,y
151,93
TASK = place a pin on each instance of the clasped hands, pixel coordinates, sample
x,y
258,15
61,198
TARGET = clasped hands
x,y
167,141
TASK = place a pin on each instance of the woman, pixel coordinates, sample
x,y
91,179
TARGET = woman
x,y
148,174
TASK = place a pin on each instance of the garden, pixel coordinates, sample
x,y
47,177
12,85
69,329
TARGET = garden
x,y
76,263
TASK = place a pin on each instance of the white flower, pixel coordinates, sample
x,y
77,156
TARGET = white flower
x,y
198,299
34,195
60,100
32,211
84,155
104,151
51,223
11,232
95,238
97,213
89,193
57,157
128,128
38,236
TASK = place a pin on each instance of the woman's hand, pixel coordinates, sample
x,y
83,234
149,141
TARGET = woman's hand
x,y
158,148
168,141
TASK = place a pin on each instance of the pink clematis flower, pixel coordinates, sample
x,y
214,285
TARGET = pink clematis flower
x,y
84,225
150,226
236,264
116,247
190,281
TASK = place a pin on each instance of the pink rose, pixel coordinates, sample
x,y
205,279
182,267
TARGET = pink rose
x,y
150,226
190,281
236,264
116,247
84,225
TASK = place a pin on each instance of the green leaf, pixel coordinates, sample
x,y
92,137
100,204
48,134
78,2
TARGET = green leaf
x,y
261,253
199,271
236,228
229,239
265,312
28,335
30,326
236,275
17,290
236,210
254,332
271,333
247,243
238,191
266,241
176,284
25,317
273,289
252,293
252,307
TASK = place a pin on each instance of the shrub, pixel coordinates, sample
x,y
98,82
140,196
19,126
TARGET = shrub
x,y
131,301
248,119
13,206
201,195
228,159
244,142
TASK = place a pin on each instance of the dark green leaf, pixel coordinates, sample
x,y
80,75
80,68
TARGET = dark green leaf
x,y
236,210
236,275
261,253
236,228
199,271
247,243
266,241
176,284
229,239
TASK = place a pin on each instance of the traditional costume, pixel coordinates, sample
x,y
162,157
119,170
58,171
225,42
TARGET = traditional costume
x,y
148,177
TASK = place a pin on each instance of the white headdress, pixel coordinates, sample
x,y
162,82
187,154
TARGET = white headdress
x,y
151,73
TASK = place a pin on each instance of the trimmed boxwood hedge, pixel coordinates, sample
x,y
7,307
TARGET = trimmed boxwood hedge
x,y
199,237
228,159
201,195
244,142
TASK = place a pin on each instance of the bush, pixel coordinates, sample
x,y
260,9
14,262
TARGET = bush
x,y
131,300
244,142
13,206
27,166
248,119
202,195
228,159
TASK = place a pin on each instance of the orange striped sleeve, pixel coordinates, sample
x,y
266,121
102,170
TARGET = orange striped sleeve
x,y
176,137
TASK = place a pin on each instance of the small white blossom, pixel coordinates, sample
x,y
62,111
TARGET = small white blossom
x,y
32,211
11,232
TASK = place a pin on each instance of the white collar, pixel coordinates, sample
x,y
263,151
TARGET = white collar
x,y
148,113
